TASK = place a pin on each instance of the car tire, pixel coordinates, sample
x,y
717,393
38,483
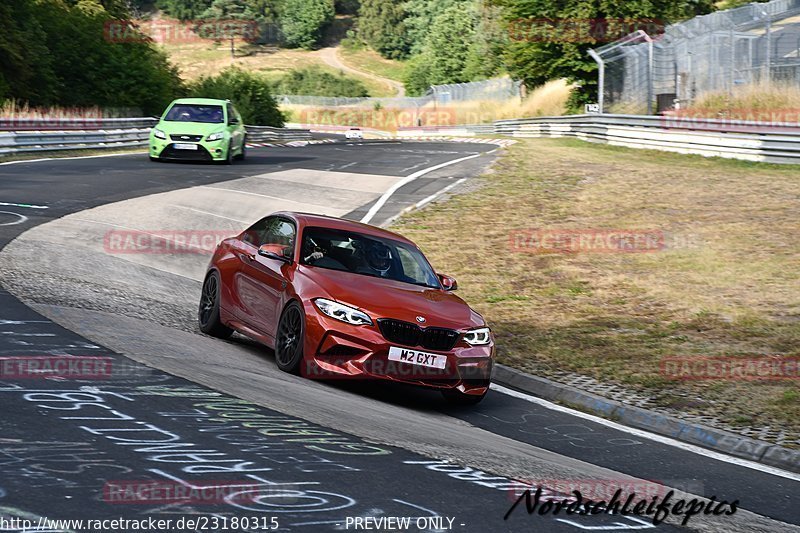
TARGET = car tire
x,y
208,317
155,159
241,156
456,397
229,154
289,339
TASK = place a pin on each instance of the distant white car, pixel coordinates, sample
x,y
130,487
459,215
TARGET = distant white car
x,y
354,133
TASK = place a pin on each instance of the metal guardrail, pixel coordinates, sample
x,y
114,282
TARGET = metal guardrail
x,y
66,124
57,134
729,138
267,134
736,139
465,130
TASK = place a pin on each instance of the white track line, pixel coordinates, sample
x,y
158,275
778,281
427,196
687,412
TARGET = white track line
x,y
67,158
651,436
29,206
405,181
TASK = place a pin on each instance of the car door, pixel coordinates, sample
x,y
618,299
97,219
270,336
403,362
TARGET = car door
x,y
261,281
235,127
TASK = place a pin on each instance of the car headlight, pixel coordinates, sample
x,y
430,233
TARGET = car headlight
x,y
345,313
478,337
158,134
216,136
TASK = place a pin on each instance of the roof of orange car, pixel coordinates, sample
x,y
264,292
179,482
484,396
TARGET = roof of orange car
x,y
310,219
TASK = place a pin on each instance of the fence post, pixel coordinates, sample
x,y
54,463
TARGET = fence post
x,y
601,78
769,47
651,70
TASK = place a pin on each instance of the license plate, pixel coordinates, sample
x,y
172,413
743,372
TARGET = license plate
x,y
185,146
415,357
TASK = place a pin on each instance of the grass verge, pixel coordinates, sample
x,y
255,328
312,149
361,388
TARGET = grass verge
x,y
196,59
371,61
725,284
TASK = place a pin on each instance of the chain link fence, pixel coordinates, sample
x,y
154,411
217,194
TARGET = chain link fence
x,y
495,89
756,43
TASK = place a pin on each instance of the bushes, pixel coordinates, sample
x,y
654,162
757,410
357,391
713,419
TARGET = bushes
x,y
249,92
317,82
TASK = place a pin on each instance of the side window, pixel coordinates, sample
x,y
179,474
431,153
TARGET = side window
x,y
280,232
255,233
272,230
233,118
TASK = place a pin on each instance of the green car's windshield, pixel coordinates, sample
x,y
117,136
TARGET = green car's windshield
x,y
207,114
366,255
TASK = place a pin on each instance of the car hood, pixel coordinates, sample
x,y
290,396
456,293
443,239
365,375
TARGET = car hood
x,y
383,298
189,128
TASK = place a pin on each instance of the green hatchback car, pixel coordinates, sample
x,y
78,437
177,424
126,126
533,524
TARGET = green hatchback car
x,y
199,129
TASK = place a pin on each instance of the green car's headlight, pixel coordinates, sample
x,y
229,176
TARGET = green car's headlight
x,y
216,136
158,134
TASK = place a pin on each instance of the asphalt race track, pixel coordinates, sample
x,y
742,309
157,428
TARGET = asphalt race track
x,y
189,411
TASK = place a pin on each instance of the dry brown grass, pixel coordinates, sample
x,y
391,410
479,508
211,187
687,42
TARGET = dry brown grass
x,y
547,100
751,102
207,58
726,285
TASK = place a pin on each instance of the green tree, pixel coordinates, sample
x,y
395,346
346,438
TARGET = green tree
x,y
347,7
381,25
26,66
490,39
536,57
443,58
224,11
184,9
248,91
60,53
421,16
303,21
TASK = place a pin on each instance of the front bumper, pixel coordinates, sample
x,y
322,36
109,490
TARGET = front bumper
x,y
206,151
337,350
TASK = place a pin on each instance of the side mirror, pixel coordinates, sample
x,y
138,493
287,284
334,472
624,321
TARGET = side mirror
x,y
449,283
276,251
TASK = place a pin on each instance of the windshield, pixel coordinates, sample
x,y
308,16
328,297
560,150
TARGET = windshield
x,y
367,255
207,114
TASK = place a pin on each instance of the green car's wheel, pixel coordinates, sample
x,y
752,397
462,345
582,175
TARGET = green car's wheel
x,y
229,154
241,155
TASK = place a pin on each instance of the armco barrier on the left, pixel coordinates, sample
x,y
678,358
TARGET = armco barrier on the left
x,y
22,135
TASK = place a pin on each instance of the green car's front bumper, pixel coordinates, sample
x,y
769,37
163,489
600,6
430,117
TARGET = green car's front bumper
x,y
203,151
